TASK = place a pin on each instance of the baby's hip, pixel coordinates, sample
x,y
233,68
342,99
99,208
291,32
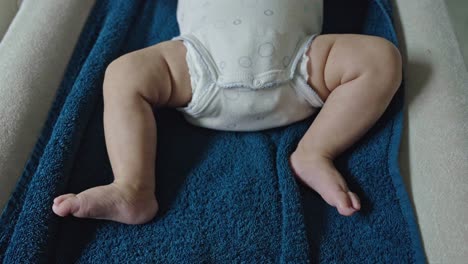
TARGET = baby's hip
x,y
240,109
237,107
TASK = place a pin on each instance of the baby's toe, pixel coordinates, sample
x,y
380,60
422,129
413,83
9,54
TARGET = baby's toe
x,y
345,204
355,202
62,198
66,205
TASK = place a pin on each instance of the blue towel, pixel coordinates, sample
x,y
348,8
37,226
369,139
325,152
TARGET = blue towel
x,y
224,196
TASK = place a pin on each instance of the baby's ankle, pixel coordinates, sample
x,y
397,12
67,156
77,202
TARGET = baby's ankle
x,y
311,153
134,187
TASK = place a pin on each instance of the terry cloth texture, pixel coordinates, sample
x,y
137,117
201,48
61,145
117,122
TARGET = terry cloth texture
x,y
224,196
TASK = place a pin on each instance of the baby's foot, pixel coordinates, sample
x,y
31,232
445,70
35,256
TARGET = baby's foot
x,y
320,174
116,202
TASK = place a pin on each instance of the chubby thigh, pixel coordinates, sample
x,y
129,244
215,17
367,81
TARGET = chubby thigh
x,y
336,59
162,70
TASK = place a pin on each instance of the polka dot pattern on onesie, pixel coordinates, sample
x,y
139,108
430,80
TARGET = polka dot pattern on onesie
x,y
222,65
266,49
238,17
245,62
244,52
269,12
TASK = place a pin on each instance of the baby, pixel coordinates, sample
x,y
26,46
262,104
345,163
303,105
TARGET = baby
x,y
243,65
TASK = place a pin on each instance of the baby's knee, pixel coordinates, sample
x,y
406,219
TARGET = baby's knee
x,y
383,62
142,74
122,76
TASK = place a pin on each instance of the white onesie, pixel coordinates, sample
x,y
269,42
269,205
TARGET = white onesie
x,y
247,61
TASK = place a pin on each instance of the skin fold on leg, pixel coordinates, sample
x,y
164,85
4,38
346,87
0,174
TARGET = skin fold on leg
x,y
134,84
356,76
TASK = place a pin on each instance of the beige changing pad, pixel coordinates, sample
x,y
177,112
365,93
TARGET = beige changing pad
x,y
434,153
8,9
33,55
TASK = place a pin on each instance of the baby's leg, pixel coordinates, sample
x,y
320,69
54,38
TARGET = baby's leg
x,y
133,85
357,77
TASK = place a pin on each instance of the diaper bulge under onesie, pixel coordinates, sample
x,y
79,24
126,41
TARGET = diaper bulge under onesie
x,y
247,61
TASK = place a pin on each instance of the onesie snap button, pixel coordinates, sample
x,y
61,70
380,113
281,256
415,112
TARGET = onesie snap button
x,y
258,83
